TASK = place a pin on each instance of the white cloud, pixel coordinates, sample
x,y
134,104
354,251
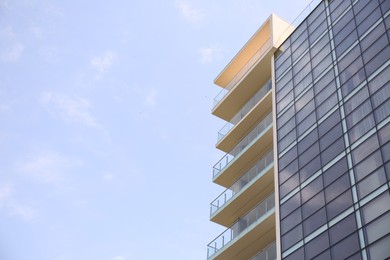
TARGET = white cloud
x,y
38,32
189,13
108,177
10,205
209,54
151,97
46,167
69,108
104,62
119,258
12,49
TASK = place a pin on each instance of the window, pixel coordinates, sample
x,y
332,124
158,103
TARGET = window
x,y
317,245
311,189
368,165
342,229
335,171
314,222
376,207
338,205
337,187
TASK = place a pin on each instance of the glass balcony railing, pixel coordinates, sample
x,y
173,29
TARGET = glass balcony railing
x,y
245,109
241,225
268,253
242,72
256,132
241,183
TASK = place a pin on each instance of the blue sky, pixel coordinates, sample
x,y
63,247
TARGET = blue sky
x,y
106,137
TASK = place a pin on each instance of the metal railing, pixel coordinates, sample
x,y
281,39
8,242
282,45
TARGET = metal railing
x,y
256,132
242,182
241,225
268,253
245,109
237,78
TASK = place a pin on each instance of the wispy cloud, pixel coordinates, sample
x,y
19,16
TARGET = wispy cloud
x,y
151,97
104,62
189,13
69,108
10,205
37,31
210,54
119,258
12,48
47,167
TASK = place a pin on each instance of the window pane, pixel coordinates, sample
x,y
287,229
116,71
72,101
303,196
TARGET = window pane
x,y
338,205
342,229
290,205
314,222
368,165
365,149
337,187
291,221
292,237
311,189
356,100
371,183
380,250
345,248
317,245
313,205
377,229
375,208
339,168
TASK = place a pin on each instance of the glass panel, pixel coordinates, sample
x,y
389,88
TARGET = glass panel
x,y
329,122
380,250
338,205
377,229
368,165
358,114
292,237
288,171
342,229
339,168
345,248
332,151
291,221
365,149
376,207
337,187
309,154
290,205
297,255
309,169
311,189
361,128
313,205
314,222
289,185
356,100
317,245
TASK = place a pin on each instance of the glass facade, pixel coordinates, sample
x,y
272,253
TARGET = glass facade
x,y
333,111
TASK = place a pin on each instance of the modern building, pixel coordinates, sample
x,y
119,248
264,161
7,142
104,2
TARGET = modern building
x,y
307,164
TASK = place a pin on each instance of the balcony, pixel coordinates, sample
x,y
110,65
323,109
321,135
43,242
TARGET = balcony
x,y
245,109
258,224
268,253
243,72
262,129
254,184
